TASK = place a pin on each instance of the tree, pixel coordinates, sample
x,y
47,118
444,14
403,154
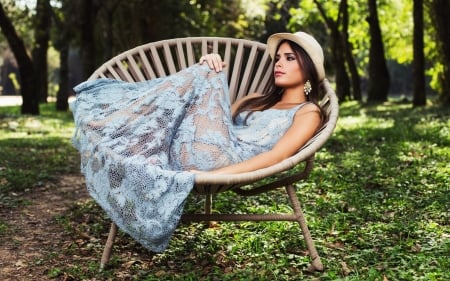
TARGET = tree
x,y
419,96
88,14
336,41
30,99
108,10
441,13
338,50
348,47
108,27
64,22
379,79
42,36
277,17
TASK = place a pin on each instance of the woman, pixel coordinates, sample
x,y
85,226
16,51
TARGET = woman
x,y
141,144
295,82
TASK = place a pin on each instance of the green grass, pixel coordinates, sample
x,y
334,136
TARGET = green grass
x,y
34,149
377,204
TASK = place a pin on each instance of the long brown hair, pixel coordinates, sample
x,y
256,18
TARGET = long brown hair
x,y
272,93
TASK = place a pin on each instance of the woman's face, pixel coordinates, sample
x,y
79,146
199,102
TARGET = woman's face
x,y
287,71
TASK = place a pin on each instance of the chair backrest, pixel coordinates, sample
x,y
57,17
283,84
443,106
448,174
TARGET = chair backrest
x,y
248,64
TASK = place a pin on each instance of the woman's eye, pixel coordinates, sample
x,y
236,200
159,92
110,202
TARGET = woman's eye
x,y
290,58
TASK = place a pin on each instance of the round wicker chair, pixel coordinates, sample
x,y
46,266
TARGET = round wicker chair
x,y
248,69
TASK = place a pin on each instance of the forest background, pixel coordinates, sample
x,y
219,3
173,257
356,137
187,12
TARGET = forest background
x,y
373,48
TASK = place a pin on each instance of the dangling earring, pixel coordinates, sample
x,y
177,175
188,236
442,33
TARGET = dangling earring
x,y
307,87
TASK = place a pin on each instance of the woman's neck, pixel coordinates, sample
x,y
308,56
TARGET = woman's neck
x,y
292,97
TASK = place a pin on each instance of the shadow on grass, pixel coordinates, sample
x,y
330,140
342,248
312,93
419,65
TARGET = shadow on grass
x,y
34,149
30,162
383,185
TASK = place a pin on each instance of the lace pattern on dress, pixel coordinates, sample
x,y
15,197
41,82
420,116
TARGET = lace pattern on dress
x,y
139,140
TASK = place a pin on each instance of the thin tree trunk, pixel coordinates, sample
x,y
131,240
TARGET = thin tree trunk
x,y
441,12
87,37
64,24
337,48
353,69
42,36
342,79
419,96
30,100
62,97
109,10
379,80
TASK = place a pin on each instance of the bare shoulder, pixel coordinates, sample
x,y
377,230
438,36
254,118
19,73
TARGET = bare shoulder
x,y
308,117
308,108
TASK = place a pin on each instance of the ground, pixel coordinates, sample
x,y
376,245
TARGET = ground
x,y
29,249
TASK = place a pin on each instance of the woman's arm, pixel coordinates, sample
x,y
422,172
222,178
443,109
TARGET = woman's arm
x,y
306,122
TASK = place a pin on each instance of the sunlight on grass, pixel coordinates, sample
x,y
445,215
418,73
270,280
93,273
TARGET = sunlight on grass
x,y
34,149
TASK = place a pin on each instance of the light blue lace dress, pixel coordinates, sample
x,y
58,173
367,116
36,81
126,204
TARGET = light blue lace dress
x,y
138,141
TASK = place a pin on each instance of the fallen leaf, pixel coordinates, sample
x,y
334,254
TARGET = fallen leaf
x,y
416,248
345,269
336,245
160,273
130,263
20,263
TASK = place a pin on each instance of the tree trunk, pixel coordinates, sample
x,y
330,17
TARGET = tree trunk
x,y
419,96
30,100
109,10
379,80
62,97
441,12
342,79
88,11
337,49
64,24
42,36
356,81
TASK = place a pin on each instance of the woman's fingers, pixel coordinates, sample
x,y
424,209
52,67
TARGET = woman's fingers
x,y
214,61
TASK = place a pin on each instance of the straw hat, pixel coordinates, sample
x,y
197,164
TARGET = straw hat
x,y
304,40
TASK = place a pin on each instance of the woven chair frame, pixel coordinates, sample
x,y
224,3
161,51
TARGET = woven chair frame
x,y
248,70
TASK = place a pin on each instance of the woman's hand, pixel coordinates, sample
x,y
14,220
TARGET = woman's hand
x,y
214,61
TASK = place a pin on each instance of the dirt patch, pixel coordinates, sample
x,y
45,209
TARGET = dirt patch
x,y
33,237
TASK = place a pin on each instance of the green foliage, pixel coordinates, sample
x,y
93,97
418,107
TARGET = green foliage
x,y
216,18
396,23
21,17
397,29
395,19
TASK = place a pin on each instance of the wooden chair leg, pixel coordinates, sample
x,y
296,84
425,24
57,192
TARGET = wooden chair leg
x,y
108,246
208,209
316,263
208,204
